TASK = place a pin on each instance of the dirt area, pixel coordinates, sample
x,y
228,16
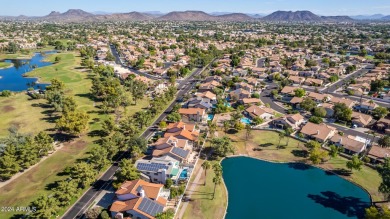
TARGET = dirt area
x,y
6,109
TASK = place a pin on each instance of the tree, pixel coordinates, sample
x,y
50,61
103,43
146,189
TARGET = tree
x,y
281,135
317,155
174,117
108,126
313,144
308,104
8,166
57,59
384,141
334,151
248,130
222,146
380,112
206,165
45,207
93,213
354,163
127,172
44,143
168,183
384,172
216,180
217,168
257,120
163,125
320,112
315,119
168,214
5,93
288,131
342,112
137,89
299,92
65,191
73,123
373,213
226,126
212,128
83,174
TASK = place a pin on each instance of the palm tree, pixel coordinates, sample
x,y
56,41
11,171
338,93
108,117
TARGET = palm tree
x,y
281,136
288,132
212,128
226,125
206,165
248,130
216,180
217,169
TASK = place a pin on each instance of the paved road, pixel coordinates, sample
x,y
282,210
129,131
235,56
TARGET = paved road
x,y
119,62
78,209
341,82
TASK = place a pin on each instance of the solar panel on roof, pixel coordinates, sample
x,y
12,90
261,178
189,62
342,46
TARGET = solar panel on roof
x,y
152,167
180,152
150,207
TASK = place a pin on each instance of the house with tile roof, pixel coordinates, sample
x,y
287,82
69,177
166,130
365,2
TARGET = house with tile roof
x,y
360,119
193,114
320,132
262,112
139,199
349,143
293,121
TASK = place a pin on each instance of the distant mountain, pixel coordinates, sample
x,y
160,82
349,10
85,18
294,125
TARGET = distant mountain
x,y
132,16
257,15
337,19
235,17
368,17
72,15
290,16
303,16
187,16
386,18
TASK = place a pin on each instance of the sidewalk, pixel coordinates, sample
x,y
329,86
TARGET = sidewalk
x,y
194,184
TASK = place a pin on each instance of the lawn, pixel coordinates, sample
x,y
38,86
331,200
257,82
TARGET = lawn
x,y
23,113
202,205
31,117
36,181
262,144
5,65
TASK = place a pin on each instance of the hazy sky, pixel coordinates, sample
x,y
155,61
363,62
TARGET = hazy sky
x,y
322,7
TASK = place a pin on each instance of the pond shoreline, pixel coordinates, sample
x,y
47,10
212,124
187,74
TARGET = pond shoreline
x,y
284,162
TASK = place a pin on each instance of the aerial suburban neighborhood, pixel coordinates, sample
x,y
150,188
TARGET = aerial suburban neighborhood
x,y
188,114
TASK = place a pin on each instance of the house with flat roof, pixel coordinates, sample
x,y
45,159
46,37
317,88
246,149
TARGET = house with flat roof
x,y
158,170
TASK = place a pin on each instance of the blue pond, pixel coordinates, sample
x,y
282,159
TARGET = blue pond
x,y
246,120
259,189
12,78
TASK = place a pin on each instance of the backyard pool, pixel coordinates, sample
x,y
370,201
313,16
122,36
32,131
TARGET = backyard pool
x,y
210,117
260,189
184,174
246,120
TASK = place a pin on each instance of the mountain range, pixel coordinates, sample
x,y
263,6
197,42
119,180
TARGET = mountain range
x,y
78,15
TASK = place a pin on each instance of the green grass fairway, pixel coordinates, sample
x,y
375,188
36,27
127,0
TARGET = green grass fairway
x,y
202,205
34,183
30,117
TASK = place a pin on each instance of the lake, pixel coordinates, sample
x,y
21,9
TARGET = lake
x,y
12,78
260,189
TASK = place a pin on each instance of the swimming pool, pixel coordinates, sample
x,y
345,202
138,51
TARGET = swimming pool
x,y
210,117
184,174
246,120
